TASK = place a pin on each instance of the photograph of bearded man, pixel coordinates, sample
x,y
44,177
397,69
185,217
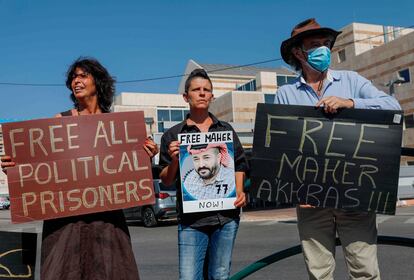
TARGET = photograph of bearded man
x,y
211,175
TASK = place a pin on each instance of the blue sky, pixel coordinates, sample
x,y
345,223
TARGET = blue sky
x,y
145,39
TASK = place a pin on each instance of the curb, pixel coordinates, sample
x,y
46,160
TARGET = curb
x,y
275,215
268,219
289,214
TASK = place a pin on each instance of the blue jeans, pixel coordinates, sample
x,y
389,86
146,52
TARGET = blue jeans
x,y
193,245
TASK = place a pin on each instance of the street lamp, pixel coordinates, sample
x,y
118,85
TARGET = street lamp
x,y
398,80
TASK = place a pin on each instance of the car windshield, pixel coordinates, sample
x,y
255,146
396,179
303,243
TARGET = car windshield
x,y
167,188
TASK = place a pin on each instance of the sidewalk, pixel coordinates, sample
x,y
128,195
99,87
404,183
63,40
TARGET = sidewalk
x,y
284,214
288,214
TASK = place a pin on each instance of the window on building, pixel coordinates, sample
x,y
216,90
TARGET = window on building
x,y
160,126
386,32
284,79
281,80
405,73
169,115
1,144
249,86
290,79
269,98
409,121
396,31
163,115
341,56
176,115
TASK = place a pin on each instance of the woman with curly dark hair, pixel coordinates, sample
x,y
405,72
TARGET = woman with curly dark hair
x,y
103,84
91,246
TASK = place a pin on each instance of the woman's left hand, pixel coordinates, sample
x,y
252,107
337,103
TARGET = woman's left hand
x,y
150,147
240,200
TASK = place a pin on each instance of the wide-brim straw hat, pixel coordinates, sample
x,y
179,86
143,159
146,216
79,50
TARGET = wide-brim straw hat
x,y
304,29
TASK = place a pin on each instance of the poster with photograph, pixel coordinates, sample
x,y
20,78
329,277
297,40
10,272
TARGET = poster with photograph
x,y
207,171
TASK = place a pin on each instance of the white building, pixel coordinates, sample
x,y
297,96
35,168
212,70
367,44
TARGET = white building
x,y
237,91
384,55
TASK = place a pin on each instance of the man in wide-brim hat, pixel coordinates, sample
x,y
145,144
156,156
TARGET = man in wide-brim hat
x,y
308,50
307,28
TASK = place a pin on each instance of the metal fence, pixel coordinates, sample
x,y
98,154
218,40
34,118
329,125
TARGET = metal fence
x,y
384,240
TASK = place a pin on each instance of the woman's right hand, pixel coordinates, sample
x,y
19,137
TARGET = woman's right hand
x,y
150,147
6,162
174,150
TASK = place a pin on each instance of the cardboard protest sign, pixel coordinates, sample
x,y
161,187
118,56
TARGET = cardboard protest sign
x,y
17,255
77,165
207,171
349,160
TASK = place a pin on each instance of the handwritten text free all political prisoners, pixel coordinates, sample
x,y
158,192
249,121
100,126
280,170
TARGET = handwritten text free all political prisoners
x,y
75,172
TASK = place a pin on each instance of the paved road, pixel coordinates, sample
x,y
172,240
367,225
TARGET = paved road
x,y
156,248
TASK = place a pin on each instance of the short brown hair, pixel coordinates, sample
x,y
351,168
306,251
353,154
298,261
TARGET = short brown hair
x,y
197,73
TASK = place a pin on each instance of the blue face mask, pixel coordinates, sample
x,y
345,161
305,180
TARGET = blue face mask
x,y
319,58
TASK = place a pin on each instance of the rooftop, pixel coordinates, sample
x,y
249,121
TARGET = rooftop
x,y
228,69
